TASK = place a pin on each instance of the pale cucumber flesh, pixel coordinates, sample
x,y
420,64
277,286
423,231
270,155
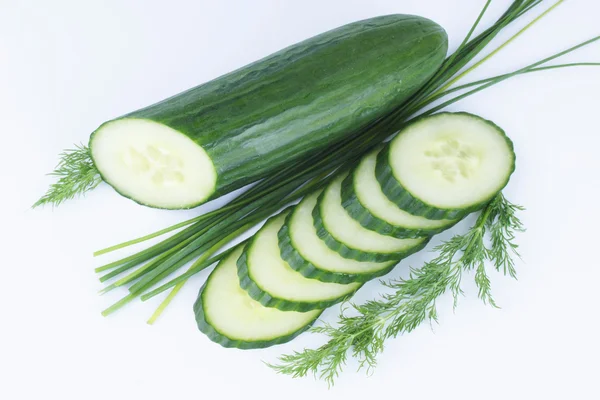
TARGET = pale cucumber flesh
x,y
232,313
271,274
307,243
153,164
343,228
452,160
368,192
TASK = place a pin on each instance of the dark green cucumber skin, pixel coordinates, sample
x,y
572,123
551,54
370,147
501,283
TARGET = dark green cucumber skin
x,y
406,201
304,98
349,252
213,334
362,215
309,270
264,298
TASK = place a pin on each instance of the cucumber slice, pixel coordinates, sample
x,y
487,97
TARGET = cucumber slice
x,y
273,283
350,239
152,163
365,202
230,317
446,165
305,252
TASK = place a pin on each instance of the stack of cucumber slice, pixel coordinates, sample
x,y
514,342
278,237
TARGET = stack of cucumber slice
x,y
432,174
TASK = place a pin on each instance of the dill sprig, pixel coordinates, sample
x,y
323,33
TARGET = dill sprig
x,y
76,174
502,234
363,334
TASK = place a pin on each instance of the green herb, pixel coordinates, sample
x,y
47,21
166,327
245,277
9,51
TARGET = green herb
x,y
76,175
413,300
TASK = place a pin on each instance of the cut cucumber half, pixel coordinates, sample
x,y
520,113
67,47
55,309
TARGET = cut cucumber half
x,y
248,124
446,165
305,252
229,316
350,239
153,163
269,280
365,202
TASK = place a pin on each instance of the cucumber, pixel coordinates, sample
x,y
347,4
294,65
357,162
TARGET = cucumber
x,y
349,238
365,202
273,283
229,316
446,165
306,253
243,126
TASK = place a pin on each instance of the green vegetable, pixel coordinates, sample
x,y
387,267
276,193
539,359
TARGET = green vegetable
x,y
366,203
298,179
306,253
243,126
349,238
269,280
446,165
230,317
76,175
363,334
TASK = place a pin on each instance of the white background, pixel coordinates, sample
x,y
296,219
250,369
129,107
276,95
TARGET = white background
x,y
66,66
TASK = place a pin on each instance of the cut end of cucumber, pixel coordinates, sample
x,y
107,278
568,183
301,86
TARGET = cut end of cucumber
x,y
229,316
452,161
153,164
